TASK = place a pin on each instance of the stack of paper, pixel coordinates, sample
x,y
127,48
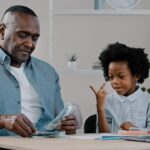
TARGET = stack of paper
x,y
97,136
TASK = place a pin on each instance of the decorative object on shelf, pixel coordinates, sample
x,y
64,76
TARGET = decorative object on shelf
x,y
99,4
145,89
122,4
72,61
96,65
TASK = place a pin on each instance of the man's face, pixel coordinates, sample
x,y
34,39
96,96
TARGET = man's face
x,y
21,32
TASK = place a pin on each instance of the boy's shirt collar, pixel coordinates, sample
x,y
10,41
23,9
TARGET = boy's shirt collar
x,y
134,96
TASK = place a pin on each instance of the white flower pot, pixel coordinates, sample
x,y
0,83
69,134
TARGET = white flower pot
x,y
72,65
99,4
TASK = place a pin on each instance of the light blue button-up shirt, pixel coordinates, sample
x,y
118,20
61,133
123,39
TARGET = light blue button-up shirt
x,y
134,108
45,81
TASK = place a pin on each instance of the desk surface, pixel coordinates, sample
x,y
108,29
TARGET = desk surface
x,y
39,143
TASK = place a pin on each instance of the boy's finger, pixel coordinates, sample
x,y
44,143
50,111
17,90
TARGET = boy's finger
x,y
102,86
93,89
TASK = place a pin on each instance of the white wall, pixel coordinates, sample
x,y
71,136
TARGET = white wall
x,y
87,35
42,10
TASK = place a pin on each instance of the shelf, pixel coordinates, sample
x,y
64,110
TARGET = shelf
x,y
100,12
80,72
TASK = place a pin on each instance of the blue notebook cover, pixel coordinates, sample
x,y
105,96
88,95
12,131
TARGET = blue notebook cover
x,y
110,137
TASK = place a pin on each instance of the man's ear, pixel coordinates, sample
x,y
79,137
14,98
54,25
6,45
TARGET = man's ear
x,y
2,31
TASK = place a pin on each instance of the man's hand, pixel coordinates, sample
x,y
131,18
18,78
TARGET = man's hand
x,y
127,125
19,124
69,124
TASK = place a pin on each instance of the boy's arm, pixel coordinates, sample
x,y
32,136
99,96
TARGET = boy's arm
x,y
148,118
102,121
101,100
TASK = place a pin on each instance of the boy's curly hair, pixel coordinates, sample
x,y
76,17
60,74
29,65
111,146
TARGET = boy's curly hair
x,y
136,58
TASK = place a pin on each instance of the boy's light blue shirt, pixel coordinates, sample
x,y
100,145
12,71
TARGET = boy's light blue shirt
x,y
134,108
45,81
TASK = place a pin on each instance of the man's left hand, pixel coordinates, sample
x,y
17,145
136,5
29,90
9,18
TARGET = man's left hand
x,y
69,124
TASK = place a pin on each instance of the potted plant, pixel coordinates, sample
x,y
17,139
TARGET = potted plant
x,y
72,61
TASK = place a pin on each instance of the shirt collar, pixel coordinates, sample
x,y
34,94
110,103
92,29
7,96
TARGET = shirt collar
x,y
131,97
5,58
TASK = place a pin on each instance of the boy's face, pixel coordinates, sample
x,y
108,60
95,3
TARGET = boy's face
x,y
121,79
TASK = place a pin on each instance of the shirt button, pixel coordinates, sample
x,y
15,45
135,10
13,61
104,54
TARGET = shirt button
x,y
17,86
18,102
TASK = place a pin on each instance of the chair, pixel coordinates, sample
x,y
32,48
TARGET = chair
x,y
90,124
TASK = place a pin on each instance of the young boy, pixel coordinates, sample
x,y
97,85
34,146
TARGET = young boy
x,y
127,106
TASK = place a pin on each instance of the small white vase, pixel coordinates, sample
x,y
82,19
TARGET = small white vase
x,y
72,65
99,4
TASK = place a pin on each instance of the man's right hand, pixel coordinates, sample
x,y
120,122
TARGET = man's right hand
x,y
19,124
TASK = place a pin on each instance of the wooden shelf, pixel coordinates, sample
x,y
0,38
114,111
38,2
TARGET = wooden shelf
x,y
100,12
